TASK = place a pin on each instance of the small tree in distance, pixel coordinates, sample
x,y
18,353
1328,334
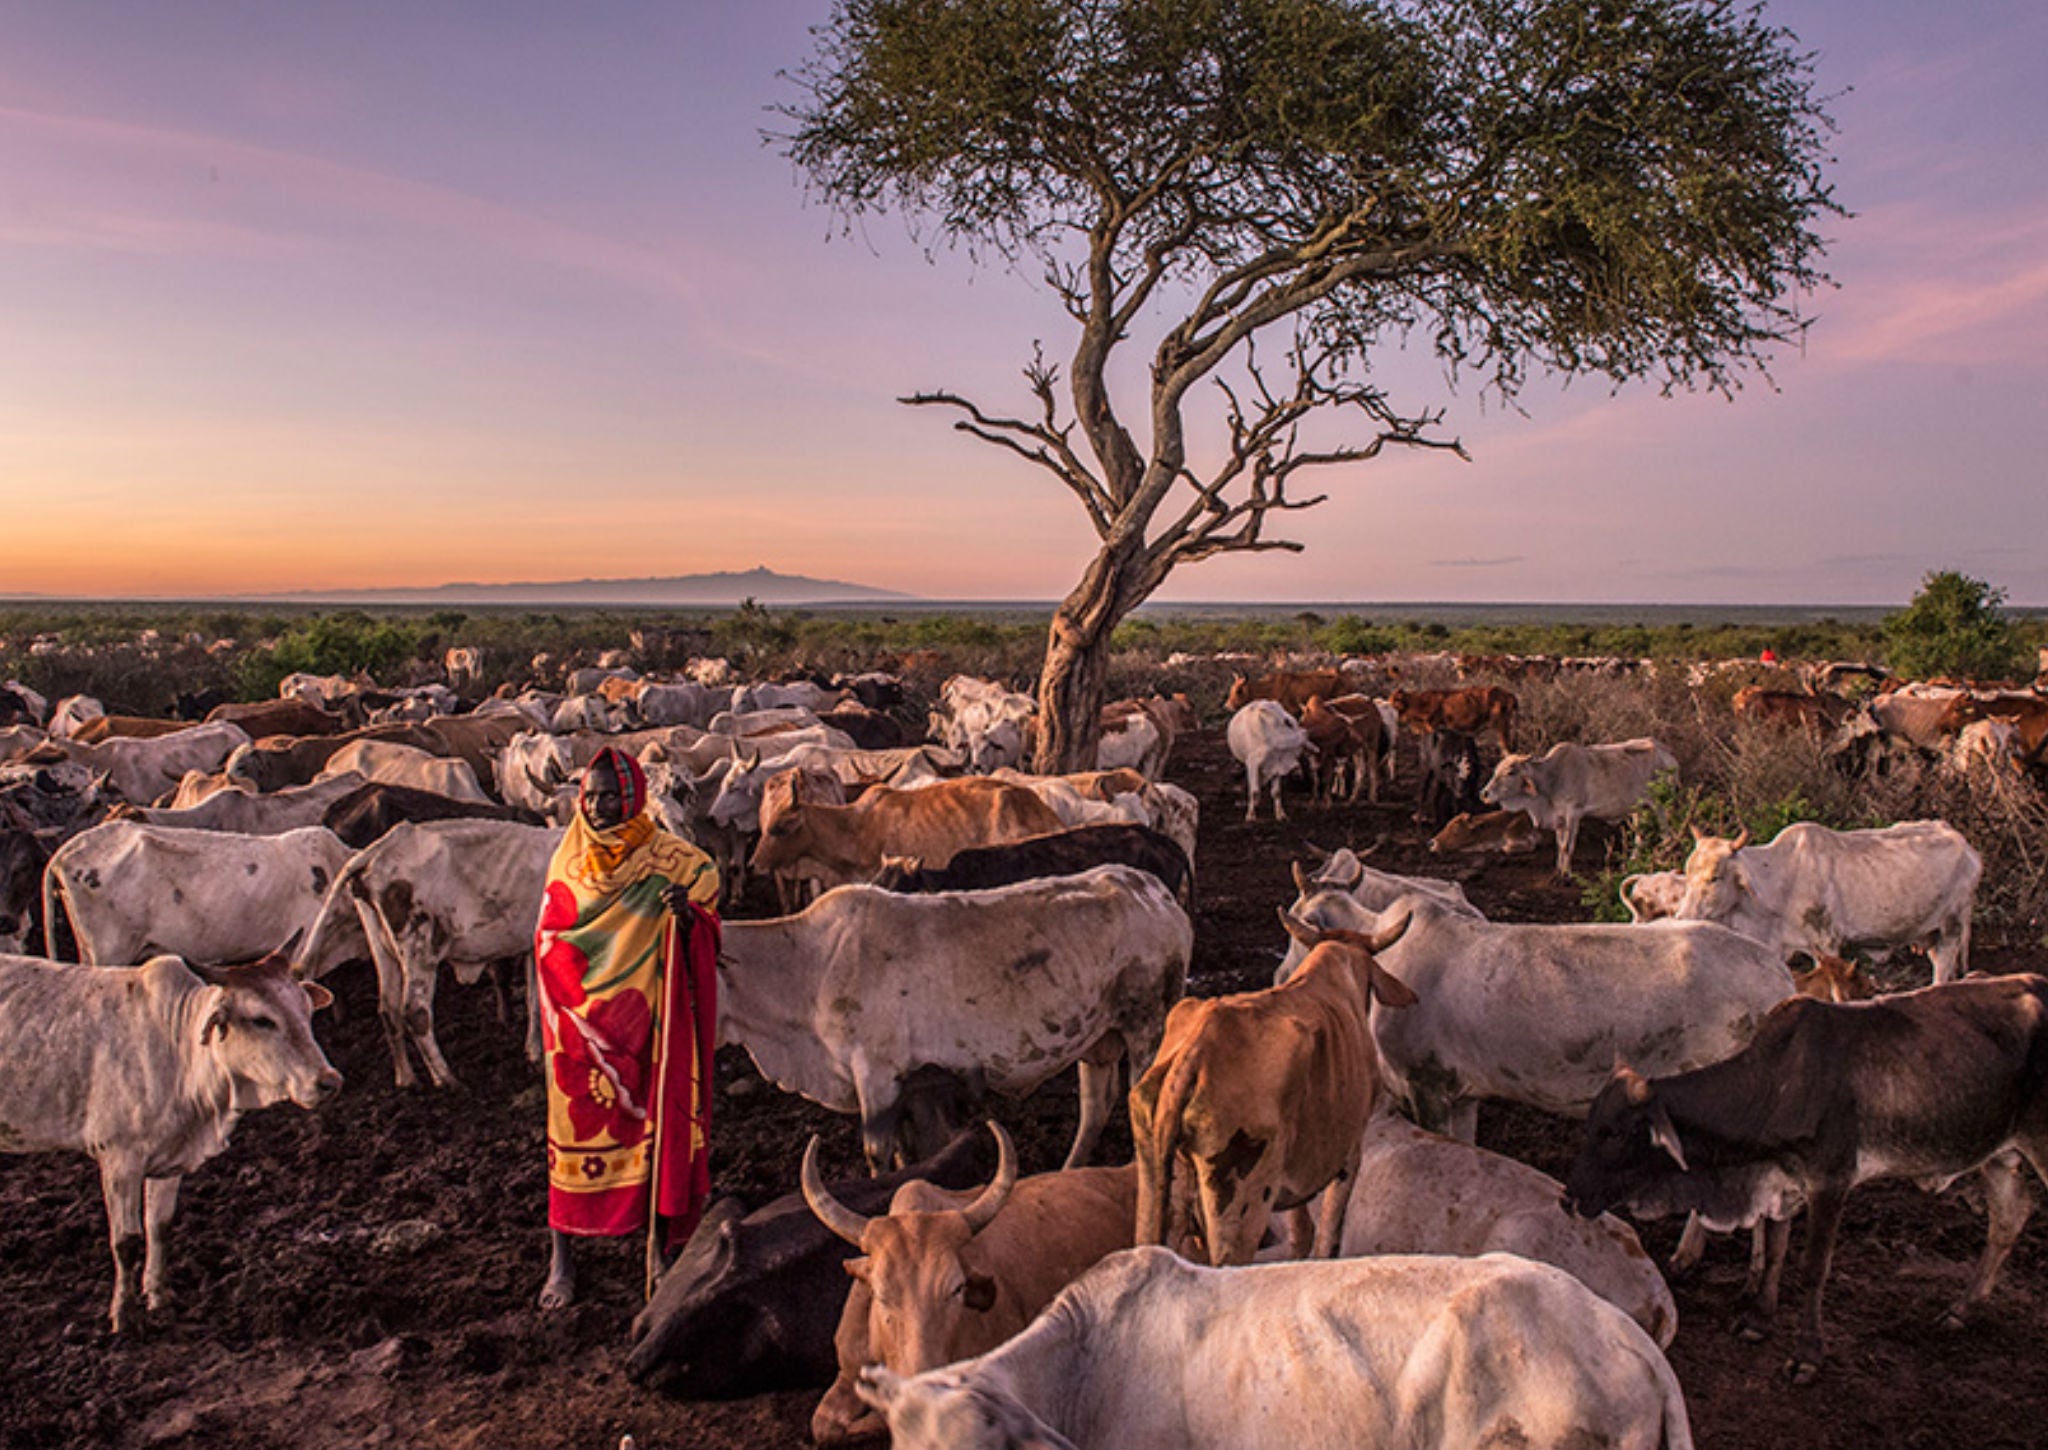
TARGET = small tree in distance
x,y
1617,187
1953,627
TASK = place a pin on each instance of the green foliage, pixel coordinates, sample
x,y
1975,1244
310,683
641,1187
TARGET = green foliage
x,y
1954,627
332,644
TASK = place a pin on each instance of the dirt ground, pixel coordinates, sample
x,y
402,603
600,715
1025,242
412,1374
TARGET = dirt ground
x,y
365,1275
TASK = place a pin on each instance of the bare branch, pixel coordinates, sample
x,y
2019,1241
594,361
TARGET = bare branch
x,y
1052,452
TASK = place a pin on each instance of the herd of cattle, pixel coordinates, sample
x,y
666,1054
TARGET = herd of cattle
x,y
948,935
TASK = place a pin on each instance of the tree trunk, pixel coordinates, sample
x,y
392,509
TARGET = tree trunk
x,y
1076,675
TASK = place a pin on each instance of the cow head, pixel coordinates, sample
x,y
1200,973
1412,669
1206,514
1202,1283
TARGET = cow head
x,y
1834,979
944,1412
1511,788
1374,980
257,1021
1240,693
1714,878
926,1286
1631,1147
790,839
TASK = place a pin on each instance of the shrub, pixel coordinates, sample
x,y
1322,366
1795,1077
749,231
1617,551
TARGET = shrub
x,y
1954,627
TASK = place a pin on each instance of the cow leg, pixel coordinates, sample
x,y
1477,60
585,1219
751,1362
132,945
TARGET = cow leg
x,y
1235,1211
159,1202
1567,842
1759,1304
421,972
1279,810
1251,792
1336,1197
1823,1222
121,1188
390,991
1692,1247
500,1001
1950,952
2008,1204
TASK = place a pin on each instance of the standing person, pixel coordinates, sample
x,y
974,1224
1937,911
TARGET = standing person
x,y
627,949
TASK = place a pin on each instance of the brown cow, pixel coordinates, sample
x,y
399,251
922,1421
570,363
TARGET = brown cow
x,y
1790,709
1262,1098
1292,688
1509,832
2028,714
1464,712
1345,738
946,1275
1834,979
838,844
126,727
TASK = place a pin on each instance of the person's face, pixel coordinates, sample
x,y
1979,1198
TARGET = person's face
x,y
602,800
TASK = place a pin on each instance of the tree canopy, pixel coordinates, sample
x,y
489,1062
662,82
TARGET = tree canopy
x,y
1624,188
1954,626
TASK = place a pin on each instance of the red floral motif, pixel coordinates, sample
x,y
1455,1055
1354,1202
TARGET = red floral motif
x,y
562,964
596,1081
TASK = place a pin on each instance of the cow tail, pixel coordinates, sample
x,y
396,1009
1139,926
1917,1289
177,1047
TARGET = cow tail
x,y
1677,1426
1156,1155
53,902
337,898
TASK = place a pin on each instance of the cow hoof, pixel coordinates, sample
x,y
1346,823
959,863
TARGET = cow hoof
x,y
1955,1317
1802,1371
1749,1328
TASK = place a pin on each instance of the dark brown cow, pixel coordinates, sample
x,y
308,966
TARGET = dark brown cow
x,y
1345,738
1467,711
282,717
1924,1086
281,761
1062,853
368,812
1292,688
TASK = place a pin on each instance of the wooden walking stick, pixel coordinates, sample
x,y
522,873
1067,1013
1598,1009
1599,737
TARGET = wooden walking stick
x,y
671,950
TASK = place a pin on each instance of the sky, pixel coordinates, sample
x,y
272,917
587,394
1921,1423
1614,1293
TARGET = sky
x,y
299,296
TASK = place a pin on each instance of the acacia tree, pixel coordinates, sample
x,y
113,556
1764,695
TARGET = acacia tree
x,y
1617,187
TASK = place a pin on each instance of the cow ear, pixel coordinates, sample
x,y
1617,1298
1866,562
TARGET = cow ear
x,y
878,1386
1663,1135
1389,988
320,996
857,1268
216,1015
979,1293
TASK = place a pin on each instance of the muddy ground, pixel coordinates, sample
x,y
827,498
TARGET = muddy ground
x,y
365,1275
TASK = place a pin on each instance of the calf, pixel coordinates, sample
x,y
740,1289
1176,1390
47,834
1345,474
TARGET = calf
x,y
944,1275
147,1070
1290,689
1790,709
1653,895
1063,853
1450,772
1467,711
838,844
1423,1353
1927,1086
1343,742
1260,1098
1509,832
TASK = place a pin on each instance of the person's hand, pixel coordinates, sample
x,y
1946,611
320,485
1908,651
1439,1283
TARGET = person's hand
x,y
676,898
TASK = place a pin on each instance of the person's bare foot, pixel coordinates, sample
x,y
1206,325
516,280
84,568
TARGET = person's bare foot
x,y
560,1290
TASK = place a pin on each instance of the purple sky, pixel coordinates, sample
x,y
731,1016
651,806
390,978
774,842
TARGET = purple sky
x,y
301,296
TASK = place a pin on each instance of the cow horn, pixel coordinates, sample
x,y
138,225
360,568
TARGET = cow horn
x,y
1318,857
1356,877
290,950
1390,932
835,1215
541,787
1302,885
1740,841
980,1213
1301,931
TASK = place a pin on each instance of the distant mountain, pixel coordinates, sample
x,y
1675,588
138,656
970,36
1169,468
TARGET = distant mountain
x,y
763,585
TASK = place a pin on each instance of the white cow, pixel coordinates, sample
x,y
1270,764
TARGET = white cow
x,y
133,890
73,711
1653,895
1537,1014
392,764
770,696
1568,783
251,814
1375,890
139,771
1269,743
1815,890
844,1000
462,892
768,721
1148,1352
1418,1193
147,1070
682,703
